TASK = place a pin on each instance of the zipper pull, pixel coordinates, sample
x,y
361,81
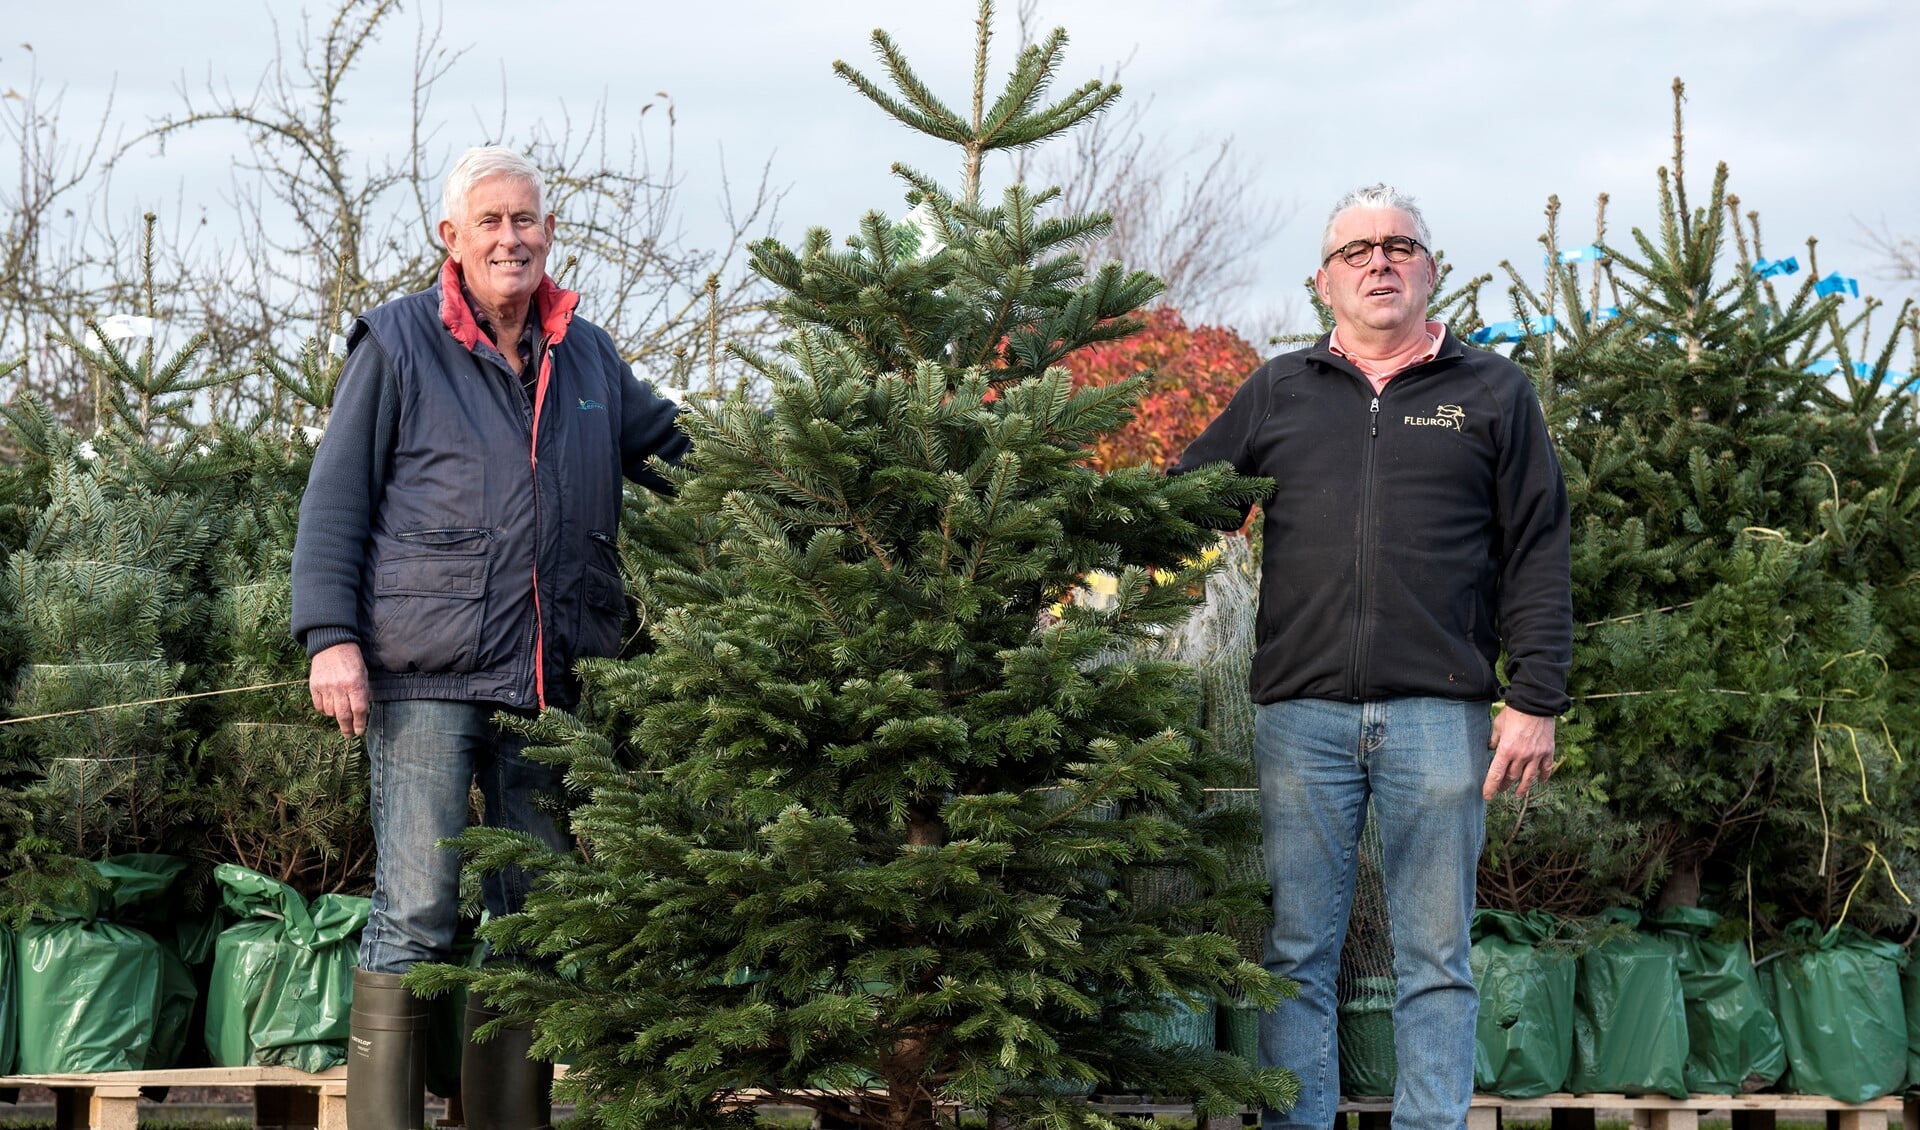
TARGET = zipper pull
x,y
1373,417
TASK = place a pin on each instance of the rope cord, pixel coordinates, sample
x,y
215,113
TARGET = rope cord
x,y
150,702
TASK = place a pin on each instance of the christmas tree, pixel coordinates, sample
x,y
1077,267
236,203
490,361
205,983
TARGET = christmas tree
x,y
305,821
106,595
149,580
1730,739
859,831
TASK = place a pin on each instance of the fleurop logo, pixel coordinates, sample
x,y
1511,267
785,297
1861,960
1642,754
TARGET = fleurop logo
x,y
1444,416
592,405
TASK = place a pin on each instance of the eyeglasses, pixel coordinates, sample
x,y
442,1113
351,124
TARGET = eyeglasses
x,y
1397,248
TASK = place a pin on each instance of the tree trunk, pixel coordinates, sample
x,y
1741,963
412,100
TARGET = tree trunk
x,y
1682,887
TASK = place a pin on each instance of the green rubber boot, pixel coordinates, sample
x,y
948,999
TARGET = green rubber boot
x,y
386,1055
501,1088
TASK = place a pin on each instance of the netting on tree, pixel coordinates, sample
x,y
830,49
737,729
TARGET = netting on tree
x,y
1365,987
1217,642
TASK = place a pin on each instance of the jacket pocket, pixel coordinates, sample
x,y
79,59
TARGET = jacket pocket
x,y
429,601
603,601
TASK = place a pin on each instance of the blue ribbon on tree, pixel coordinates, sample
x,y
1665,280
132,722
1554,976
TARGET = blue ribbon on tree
x,y
1511,331
1767,268
1587,254
1827,366
1835,284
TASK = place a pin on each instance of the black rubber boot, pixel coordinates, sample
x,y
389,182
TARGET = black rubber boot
x,y
386,1055
500,1087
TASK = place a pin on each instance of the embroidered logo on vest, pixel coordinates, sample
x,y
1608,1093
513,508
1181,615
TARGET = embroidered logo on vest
x,y
1444,416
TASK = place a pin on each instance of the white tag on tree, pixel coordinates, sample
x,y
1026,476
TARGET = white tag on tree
x,y
120,327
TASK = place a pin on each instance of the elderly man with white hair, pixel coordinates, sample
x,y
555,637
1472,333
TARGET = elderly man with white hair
x,y
1414,571
457,553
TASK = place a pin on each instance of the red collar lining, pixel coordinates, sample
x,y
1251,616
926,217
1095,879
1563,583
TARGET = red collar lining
x,y
556,308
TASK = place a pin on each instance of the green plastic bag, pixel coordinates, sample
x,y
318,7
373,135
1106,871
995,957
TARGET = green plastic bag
x,y
1629,1019
140,888
195,935
1910,992
8,1025
144,889
96,995
1841,1013
283,975
1170,1024
1237,1032
191,938
179,995
1523,1039
1179,1026
1733,1041
1368,1065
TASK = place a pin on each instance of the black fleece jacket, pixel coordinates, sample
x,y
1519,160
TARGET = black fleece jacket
x,y
1410,536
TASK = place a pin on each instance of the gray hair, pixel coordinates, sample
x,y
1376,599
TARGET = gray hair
x,y
481,162
1380,197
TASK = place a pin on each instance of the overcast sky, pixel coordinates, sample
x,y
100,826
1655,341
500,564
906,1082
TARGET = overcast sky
x,y
1479,108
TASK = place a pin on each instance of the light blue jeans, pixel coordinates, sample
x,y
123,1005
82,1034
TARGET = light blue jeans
x,y
1422,762
424,755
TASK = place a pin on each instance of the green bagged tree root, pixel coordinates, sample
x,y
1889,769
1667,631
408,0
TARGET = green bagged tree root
x,y
1733,1040
1523,1039
1172,1024
98,995
1629,1018
1368,1064
1910,993
1180,1026
1841,1014
282,976
1237,1031
8,1025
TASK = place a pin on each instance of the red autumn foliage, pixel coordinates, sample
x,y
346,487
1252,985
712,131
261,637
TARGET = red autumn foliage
x,y
1196,371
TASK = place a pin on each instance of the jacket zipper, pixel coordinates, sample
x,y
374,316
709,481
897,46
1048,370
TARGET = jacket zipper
x,y
544,374
1363,557
530,416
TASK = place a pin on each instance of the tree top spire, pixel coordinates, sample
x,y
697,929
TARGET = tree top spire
x,y
1016,119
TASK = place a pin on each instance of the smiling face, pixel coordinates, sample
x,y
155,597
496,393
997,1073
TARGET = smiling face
x,y
1382,302
501,244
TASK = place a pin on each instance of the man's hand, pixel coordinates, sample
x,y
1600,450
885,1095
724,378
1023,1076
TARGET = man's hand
x,y
339,684
1522,747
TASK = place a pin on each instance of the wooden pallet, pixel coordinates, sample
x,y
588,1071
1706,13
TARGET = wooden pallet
x,y
1577,1112
1663,1112
289,1098
282,1096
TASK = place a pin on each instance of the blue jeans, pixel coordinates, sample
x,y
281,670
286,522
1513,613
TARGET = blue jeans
x,y
424,756
1422,761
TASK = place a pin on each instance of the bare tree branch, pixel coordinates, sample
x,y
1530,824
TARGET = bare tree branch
x,y
1202,233
1899,255
315,230
54,270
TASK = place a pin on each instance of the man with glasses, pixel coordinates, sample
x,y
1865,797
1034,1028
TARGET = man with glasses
x,y
1417,530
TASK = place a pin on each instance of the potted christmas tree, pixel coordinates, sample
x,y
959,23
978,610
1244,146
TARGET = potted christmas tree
x,y
858,830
